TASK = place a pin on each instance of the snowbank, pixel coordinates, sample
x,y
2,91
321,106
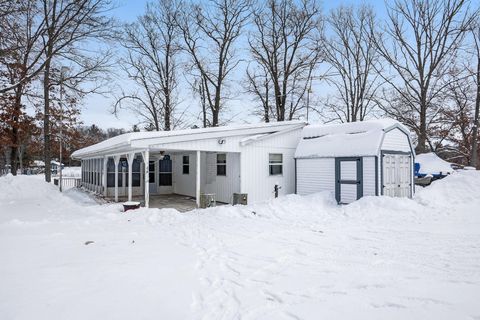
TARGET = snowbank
x,y
63,256
430,163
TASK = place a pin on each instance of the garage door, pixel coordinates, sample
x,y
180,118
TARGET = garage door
x,y
396,175
348,174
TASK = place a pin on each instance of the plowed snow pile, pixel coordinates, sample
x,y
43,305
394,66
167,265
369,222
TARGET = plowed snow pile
x,y
64,256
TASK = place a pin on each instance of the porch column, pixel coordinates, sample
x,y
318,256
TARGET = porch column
x,y
197,176
104,176
130,158
146,160
116,159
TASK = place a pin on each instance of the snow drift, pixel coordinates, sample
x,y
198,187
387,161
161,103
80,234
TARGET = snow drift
x,y
66,257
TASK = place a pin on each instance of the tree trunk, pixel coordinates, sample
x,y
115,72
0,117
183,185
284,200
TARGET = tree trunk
x,y
422,136
14,160
46,122
474,156
167,113
15,130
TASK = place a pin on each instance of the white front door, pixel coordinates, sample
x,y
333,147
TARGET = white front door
x,y
396,175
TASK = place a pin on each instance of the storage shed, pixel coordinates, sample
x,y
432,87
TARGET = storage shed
x,y
358,159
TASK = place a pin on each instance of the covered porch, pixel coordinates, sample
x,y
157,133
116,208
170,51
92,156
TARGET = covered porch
x,y
163,178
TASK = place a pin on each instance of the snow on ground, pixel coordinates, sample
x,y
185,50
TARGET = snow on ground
x,y
290,258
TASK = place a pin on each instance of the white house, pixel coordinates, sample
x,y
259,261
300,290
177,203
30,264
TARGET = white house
x,y
356,159
249,159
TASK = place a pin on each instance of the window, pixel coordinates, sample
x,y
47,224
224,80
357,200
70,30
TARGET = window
x,y
221,164
151,172
275,163
110,173
165,171
186,165
136,172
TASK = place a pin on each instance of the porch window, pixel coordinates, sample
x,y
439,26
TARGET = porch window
x,y
136,169
151,172
186,165
110,173
165,171
99,171
221,164
275,163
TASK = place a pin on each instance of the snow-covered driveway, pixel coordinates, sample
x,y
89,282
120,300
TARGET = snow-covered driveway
x,y
293,258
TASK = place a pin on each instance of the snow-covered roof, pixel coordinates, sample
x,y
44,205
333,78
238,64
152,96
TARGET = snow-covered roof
x,y
124,142
345,140
430,163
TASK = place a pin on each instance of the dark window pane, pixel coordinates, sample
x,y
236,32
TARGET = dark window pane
x,y
165,179
111,180
186,159
123,164
136,165
120,183
110,165
186,169
221,170
151,171
275,158
165,165
276,169
221,158
135,179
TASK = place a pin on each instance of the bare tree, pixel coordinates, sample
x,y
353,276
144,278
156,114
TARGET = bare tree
x,y
475,34
259,84
286,42
419,43
18,50
70,27
451,133
21,19
151,61
209,34
354,63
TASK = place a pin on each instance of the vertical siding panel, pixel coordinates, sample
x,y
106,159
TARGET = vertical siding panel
x,y
369,176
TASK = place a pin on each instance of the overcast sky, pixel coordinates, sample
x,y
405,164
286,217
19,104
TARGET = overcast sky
x,y
97,109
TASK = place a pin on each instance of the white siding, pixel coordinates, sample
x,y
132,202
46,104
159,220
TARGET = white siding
x,y
315,175
222,186
369,175
255,177
230,144
184,184
396,140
